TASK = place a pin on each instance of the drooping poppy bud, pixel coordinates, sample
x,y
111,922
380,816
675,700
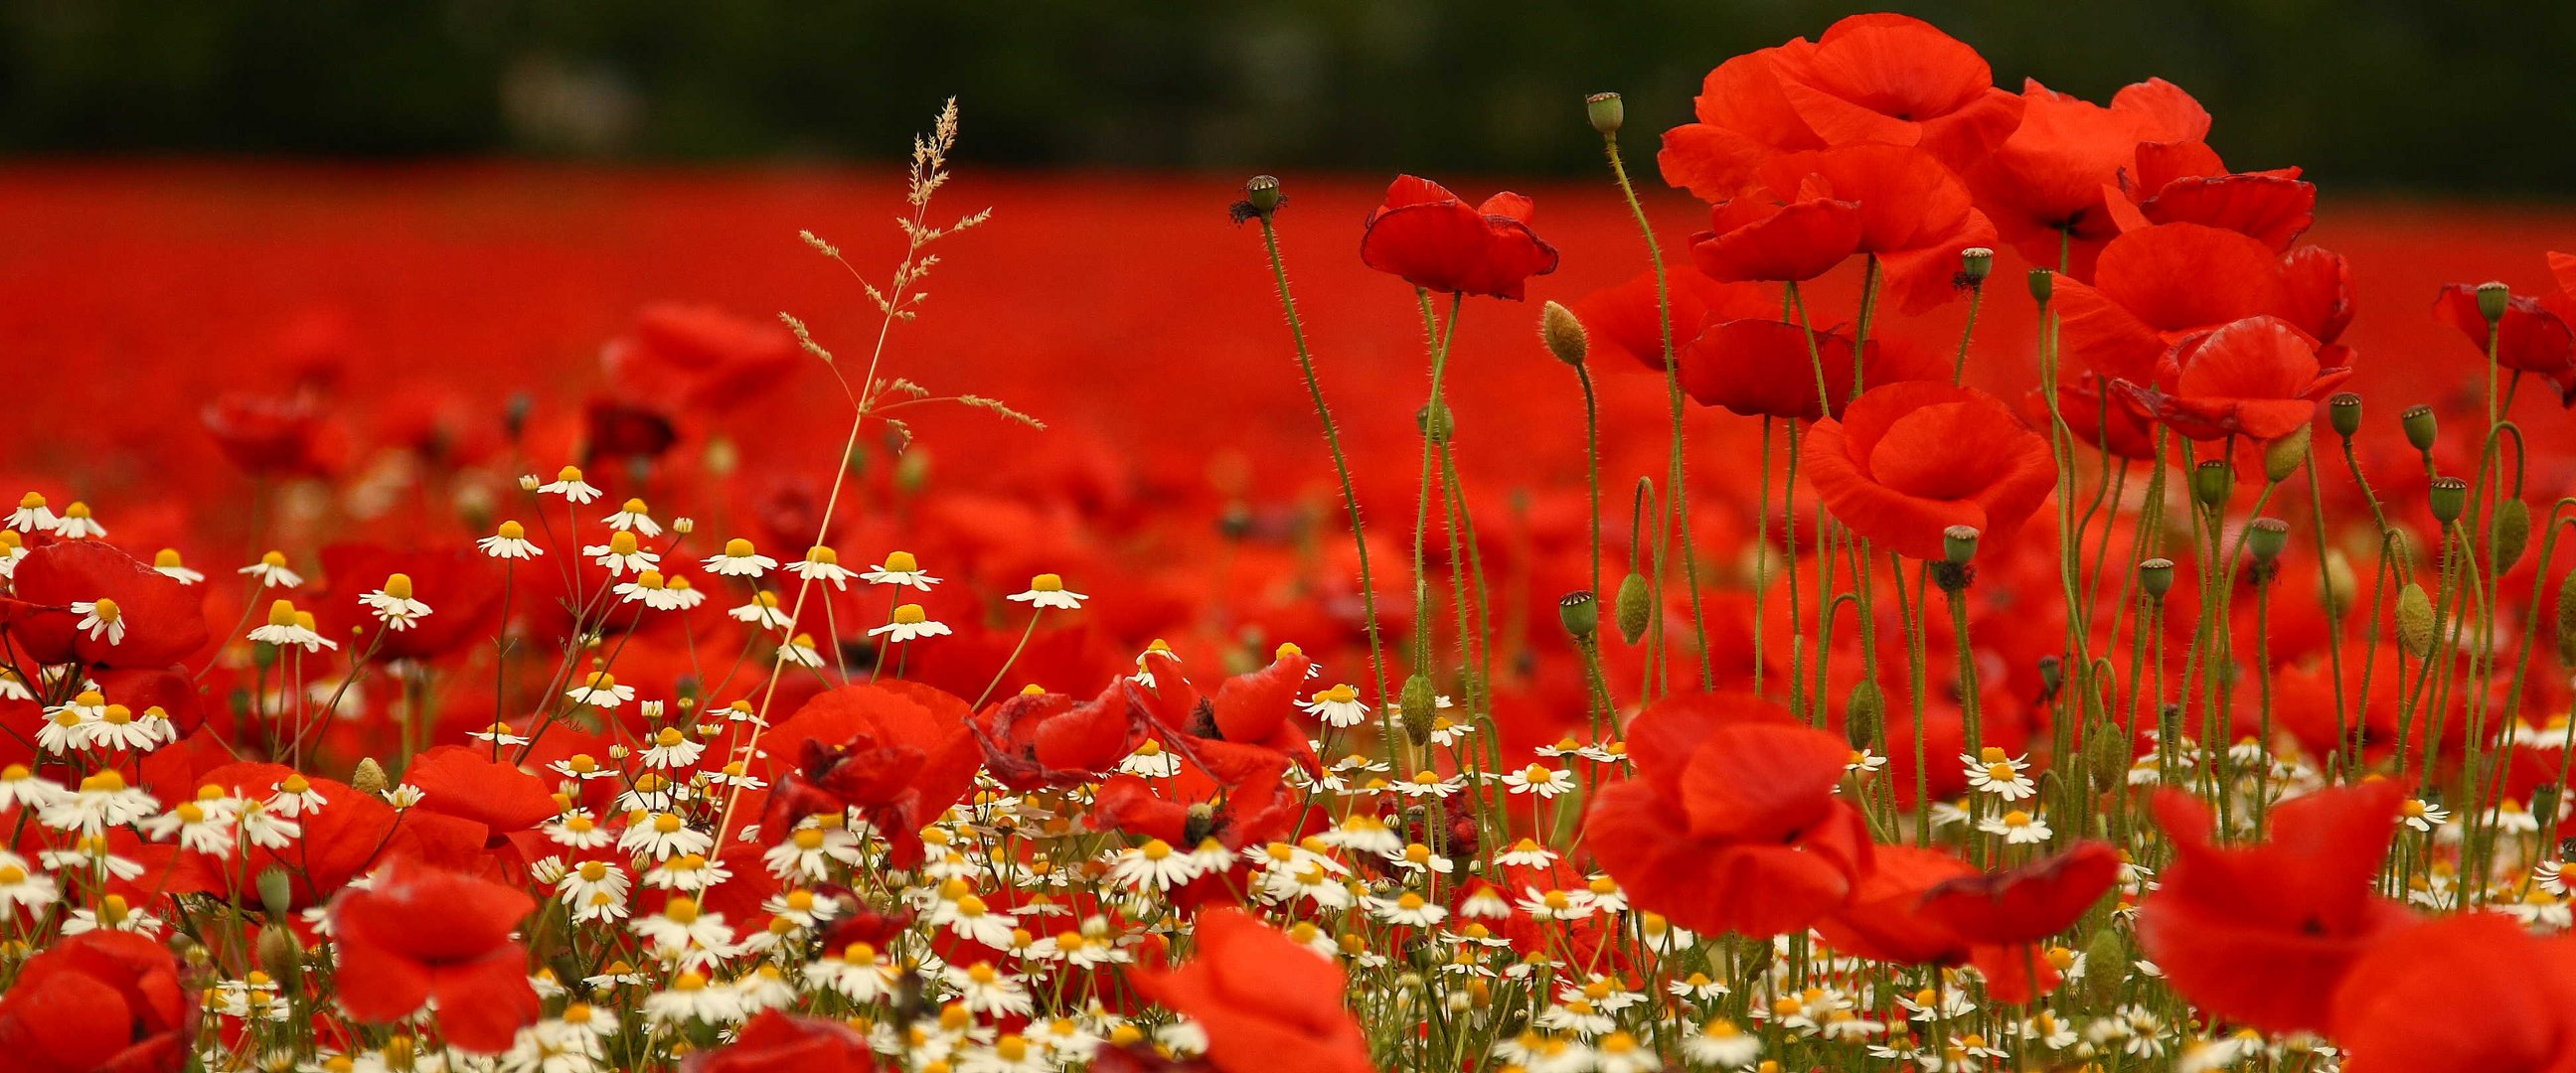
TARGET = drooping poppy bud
x,y
1418,705
2417,622
1636,607
2511,532
1563,333
2284,456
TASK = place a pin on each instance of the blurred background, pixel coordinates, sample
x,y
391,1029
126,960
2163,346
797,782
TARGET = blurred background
x,y
2395,96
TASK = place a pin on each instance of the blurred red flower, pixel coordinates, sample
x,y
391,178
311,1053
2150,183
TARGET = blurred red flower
x,y
682,358
156,620
775,1042
420,934
1768,368
1265,1002
2399,1009
2046,187
2531,337
98,1002
1435,241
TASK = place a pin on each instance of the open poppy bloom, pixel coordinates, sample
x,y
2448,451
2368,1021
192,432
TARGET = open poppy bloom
x,y
899,751
776,1042
420,934
1909,460
1806,212
2028,902
1249,709
1433,240
101,1000
2257,378
1730,823
1629,318
2265,933
1049,739
135,616
2183,182
2156,286
2095,417
1265,1002
2531,337
2522,1024
2046,187
680,358
1765,368
1872,79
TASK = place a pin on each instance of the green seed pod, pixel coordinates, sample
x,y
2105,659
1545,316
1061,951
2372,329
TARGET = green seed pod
x,y
2511,530
1563,333
2156,577
2211,481
1636,607
2284,456
2493,297
1959,544
2336,586
1975,264
2417,622
2566,621
2343,411
1581,612
2420,426
1262,192
2265,538
2106,968
2043,283
1863,710
2448,496
1418,706
1606,112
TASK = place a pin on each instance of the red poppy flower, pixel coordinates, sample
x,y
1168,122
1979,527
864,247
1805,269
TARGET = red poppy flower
x,y
158,621
900,751
420,934
342,837
464,784
1877,79
460,586
680,358
2257,378
2184,182
1730,823
2264,933
2094,418
1792,236
2027,903
1885,920
1909,460
2531,337
1809,211
775,1042
98,1002
1049,739
1764,368
1251,709
2045,186
2156,286
269,434
1628,318
1265,1002
2400,1010
1424,234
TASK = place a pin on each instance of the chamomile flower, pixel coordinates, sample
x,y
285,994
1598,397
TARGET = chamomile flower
x,y
271,572
1407,910
394,605
811,852
499,733
672,748
690,998
198,826
910,623
102,801
740,559
1540,780
1998,774
509,540
21,787
288,626
2423,815
1338,707
800,650
600,690
76,524
166,563
594,891
2016,828
100,618
21,888
12,548
1151,760
763,611
663,834
650,589
1428,784
1047,590
684,933
986,990
622,554
900,568
32,515
568,484
822,564
958,909
634,516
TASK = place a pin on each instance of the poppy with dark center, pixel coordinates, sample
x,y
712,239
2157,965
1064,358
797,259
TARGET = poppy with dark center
x,y
1909,460
2257,378
1433,240
1730,823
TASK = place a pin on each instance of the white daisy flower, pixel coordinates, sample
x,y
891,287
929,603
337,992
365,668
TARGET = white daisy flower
x,y
272,572
1047,590
568,484
899,568
509,541
910,623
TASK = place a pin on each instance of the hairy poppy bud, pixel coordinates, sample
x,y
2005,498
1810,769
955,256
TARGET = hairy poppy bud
x,y
369,778
2210,481
2493,297
2336,585
2284,456
2510,528
281,955
1862,710
2156,577
2102,985
2343,411
2265,537
2566,620
276,890
1605,111
2420,426
1563,334
1581,611
1418,706
1636,607
1436,421
1975,264
2417,622
2448,496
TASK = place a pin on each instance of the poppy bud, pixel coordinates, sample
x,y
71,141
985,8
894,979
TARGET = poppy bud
x,y
2156,577
1418,705
2492,299
2420,426
2343,411
1581,611
2210,481
2282,457
2107,958
2511,531
1605,111
1636,607
2335,587
1975,264
276,893
1862,711
1563,334
2417,622
281,956
369,778
1436,421
1959,544
2043,283
2265,537
2448,496
2566,620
